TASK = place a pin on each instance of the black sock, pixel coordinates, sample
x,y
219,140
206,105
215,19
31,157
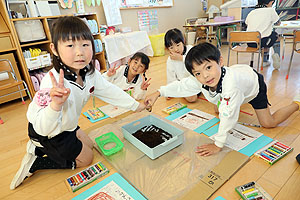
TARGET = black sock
x,y
47,163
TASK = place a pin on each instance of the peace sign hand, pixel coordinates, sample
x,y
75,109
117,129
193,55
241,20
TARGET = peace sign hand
x,y
145,84
58,93
112,70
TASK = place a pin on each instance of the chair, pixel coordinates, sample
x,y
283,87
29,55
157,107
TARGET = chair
x,y
246,37
11,80
296,40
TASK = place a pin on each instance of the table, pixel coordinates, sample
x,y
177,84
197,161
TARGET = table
x,y
285,30
218,25
122,45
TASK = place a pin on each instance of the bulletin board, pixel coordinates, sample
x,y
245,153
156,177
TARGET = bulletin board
x,y
132,4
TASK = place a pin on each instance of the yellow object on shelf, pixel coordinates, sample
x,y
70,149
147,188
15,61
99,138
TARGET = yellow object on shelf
x,y
157,43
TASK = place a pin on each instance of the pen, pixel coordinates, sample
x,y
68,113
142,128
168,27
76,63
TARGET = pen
x,y
247,124
85,116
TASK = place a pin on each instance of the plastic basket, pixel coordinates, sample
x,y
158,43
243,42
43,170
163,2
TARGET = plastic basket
x,y
157,43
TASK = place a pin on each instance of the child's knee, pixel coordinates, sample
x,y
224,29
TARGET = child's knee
x,y
268,124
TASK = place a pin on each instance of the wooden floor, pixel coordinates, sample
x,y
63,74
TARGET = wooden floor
x,y
281,181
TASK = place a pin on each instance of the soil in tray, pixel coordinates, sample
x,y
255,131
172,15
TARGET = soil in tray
x,y
152,135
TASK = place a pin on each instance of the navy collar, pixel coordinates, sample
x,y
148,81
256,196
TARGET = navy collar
x,y
219,86
126,75
71,75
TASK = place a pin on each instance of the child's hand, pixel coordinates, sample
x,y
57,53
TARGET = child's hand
x,y
150,100
176,56
58,93
145,84
141,107
112,70
208,149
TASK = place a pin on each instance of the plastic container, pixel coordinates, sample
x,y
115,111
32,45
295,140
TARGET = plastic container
x,y
153,153
157,43
109,138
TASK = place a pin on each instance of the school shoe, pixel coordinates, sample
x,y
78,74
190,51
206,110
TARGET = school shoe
x,y
26,164
276,61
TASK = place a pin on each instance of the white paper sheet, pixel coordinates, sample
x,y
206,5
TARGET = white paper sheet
x,y
113,111
111,191
193,119
240,136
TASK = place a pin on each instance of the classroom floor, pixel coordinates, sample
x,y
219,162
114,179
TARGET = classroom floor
x,y
281,181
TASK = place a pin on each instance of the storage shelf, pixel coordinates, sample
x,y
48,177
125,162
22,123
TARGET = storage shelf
x,y
35,43
7,50
288,8
40,67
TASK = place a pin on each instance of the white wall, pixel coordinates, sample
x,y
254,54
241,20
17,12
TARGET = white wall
x,y
167,17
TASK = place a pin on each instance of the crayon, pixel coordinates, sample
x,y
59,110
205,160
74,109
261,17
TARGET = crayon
x,y
282,149
274,155
78,177
81,177
282,145
272,148
273,151
267,156
247,124
278,148
246,113
73,181
100,166
85,116
69,181
94,170
82,174
252,195
247,191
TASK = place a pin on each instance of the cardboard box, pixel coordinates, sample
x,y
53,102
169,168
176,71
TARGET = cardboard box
x,y
176,140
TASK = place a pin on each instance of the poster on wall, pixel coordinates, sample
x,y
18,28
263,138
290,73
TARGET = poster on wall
x,y
112,12
148,20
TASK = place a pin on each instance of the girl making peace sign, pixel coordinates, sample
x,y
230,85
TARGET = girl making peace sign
x,y
131,77
56,141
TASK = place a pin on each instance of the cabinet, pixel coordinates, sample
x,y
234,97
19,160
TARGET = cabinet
x,y
289,8
44,44
9,50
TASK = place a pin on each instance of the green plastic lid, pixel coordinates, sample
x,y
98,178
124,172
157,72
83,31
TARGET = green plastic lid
x,y
109,143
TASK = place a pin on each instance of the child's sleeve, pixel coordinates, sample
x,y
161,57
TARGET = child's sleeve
x,y
171,75
275,16
229,110
112,94
188,86
44,119
138,92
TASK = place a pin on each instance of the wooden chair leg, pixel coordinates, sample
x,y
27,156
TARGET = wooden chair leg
x,y
290,64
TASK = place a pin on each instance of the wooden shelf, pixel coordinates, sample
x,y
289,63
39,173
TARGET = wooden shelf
x,y
8,50
35,43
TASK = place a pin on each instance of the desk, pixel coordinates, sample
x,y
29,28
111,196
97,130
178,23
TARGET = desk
x,y
212,24
285,30
122,45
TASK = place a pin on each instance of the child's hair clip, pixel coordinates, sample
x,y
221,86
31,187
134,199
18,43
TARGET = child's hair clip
x,y
42,97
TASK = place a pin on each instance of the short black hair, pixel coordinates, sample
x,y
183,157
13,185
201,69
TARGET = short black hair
x,y
200,53
173,36
144,59
70,26
264,2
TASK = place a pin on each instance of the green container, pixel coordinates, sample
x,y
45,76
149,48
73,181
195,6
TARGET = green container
x,y
109,138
